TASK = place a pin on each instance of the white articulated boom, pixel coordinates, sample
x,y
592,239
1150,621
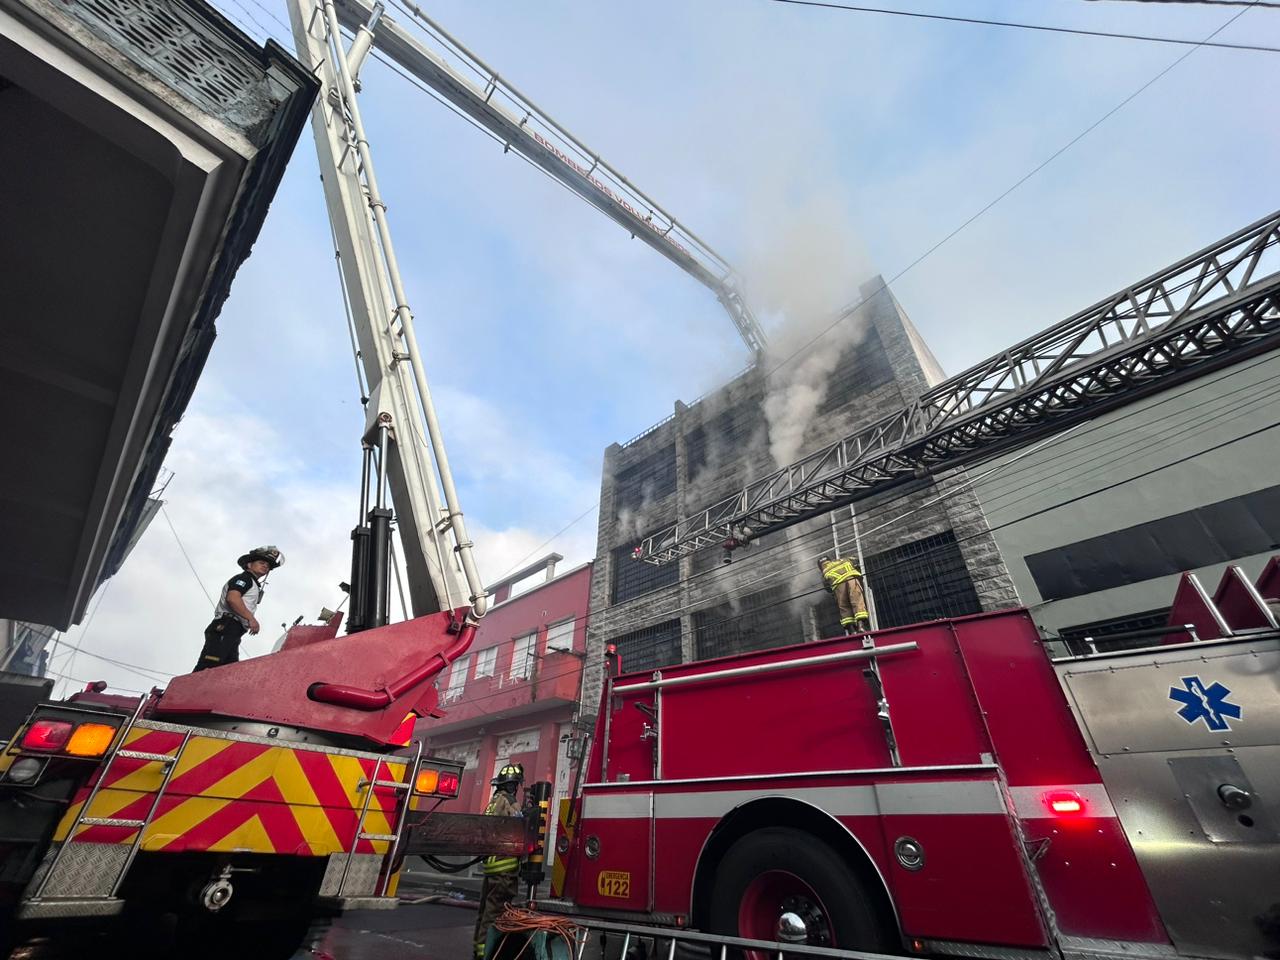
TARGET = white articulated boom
x,y
478,92
403,442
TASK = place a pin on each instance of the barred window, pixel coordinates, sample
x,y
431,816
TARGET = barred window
x,y
926,579
634,578
649,648
645,482
758,622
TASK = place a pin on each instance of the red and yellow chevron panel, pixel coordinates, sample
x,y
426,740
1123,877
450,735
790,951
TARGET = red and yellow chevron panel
x,y
231,794
564,829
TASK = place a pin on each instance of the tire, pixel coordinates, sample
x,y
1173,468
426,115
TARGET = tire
x,y
779,870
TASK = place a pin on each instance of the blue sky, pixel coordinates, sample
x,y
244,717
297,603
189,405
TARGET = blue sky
x,y
810,147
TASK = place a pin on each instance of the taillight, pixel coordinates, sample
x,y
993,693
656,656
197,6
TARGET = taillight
x,y
91,740
46,735
1064,803
447,784
427,781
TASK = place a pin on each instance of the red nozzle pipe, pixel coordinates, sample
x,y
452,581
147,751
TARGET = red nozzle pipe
x,y
358,698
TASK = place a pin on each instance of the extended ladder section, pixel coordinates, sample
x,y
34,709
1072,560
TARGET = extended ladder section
x,y
1209,310
476,90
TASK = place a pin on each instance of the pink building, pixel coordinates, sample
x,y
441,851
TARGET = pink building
x,y
512,697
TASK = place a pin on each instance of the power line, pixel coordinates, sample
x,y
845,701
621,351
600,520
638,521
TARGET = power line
x,y
185,556
1044,28
1209,3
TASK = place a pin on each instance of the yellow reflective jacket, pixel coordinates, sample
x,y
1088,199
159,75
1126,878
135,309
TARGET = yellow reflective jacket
x,y
838,571
500,806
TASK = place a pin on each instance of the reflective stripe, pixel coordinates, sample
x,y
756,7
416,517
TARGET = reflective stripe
x,y
1030,803
500,865
929,798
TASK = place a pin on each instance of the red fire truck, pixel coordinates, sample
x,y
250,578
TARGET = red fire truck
x,y
949,788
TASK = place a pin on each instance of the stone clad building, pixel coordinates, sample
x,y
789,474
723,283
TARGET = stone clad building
x,y
926,547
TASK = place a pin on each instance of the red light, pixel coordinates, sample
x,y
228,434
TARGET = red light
x,y
1064,803
448,784
47,735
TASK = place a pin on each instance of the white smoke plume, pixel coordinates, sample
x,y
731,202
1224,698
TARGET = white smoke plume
x,y
803,265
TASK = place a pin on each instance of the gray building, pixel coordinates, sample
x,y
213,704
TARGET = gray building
x,y
926,547
24,647
1097,525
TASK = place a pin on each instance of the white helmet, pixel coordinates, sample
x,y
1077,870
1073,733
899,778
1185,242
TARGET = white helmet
x,y
269,553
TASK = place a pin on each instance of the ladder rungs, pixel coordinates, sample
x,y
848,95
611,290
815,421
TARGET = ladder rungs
x,y
393,784
139,755
377,836
110,822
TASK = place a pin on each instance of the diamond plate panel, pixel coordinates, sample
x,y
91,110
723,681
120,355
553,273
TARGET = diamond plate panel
x,y
362,878
87,870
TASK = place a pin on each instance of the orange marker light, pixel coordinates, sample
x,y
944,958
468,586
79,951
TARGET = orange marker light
x,y
1065,803
91,740
427,782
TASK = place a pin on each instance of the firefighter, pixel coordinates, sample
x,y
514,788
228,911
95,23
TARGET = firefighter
x,y
501,876
844,580
234,613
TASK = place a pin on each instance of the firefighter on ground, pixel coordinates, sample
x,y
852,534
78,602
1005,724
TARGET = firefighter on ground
x,y
234,613
501,874
844,580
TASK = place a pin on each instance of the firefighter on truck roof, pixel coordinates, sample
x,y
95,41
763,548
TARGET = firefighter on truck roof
x,y
844,580
501,876
234,613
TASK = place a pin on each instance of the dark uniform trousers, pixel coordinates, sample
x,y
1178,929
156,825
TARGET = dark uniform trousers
x,y
497,890
221,643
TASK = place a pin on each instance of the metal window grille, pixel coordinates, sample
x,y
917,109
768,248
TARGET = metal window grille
x,y
757,622
650,647
926,579
645,482
634,578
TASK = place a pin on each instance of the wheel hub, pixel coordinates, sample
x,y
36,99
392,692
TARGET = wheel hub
x,y
800,920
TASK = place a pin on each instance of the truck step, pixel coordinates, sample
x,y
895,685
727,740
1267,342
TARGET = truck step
x,y
139,755
378,836
110,822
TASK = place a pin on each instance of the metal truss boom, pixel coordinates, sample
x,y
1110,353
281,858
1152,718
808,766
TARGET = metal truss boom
x,y
1211,309
478,91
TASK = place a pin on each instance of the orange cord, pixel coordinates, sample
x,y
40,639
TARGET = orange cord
x,y
519,920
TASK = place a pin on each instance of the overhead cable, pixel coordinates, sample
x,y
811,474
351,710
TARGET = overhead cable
x,y
1040,27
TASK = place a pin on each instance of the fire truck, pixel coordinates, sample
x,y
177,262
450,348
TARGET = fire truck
x,y
944,788
947,788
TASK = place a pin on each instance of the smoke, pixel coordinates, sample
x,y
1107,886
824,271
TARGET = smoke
x,y
808,271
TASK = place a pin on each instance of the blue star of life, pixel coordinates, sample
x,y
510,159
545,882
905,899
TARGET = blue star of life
x,y
1207,703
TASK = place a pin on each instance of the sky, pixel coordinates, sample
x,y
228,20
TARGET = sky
x,y
810,147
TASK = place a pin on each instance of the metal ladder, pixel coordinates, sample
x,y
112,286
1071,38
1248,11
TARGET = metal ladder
x,y
667,940
411,777
170,765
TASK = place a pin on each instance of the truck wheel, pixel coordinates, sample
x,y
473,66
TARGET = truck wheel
x,y
784,885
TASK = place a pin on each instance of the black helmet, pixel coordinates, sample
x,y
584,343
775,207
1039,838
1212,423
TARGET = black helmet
x,y
510,773
269,553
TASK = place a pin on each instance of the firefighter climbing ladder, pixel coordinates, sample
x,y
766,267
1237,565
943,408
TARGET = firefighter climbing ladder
x,y
1213,308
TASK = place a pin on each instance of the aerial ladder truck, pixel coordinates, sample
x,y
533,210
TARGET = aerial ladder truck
x,y
924,790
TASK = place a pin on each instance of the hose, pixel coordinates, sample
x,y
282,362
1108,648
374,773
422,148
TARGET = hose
x,y
444,866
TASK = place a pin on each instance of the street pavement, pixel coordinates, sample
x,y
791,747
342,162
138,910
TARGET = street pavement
x,y
414,931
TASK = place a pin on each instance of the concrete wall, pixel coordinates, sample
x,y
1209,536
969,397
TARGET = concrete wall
x,y
1203,443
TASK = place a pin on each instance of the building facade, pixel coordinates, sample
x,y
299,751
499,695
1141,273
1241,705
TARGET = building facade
x,y
1097,526
24,647
513,697
926,547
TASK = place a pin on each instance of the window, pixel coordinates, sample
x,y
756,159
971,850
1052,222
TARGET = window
x,y
757,622
646,482
560,636
650,647
522,656
458,678
486,660
633,578
926,579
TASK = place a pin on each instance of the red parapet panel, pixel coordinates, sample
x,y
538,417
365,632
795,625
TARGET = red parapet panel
x,y
1192,605
1239,602
309,633
1269,581
278,688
